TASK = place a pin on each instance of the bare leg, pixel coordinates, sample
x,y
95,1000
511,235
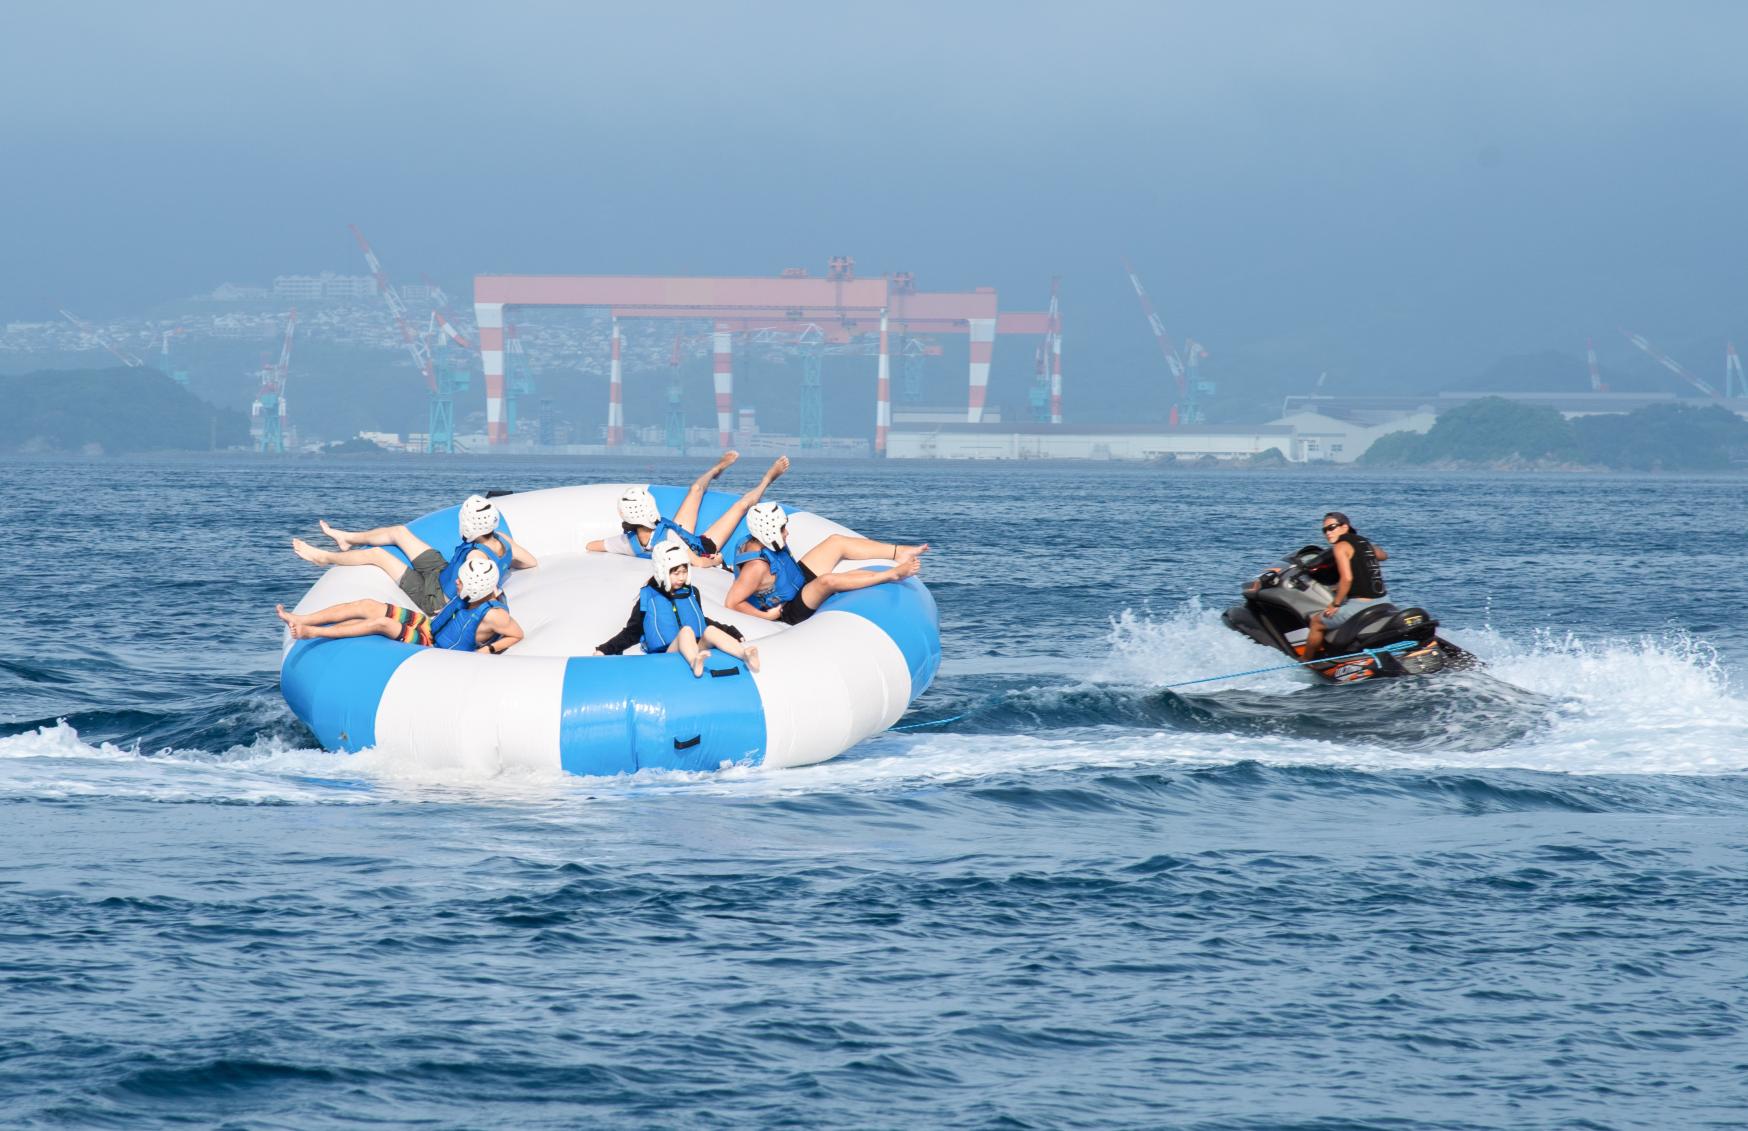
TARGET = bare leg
x,y
687,515
399,537
374,556
689,648
1314,636
824,558
717,638
722,528
353,618
823,586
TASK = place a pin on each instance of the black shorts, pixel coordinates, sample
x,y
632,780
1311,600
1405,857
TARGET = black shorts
x,y
796,611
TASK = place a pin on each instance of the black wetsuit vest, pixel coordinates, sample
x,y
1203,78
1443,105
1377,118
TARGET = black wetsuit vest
x,y
1368,575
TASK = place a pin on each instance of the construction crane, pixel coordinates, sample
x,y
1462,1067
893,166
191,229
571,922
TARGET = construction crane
x,y
442,412
1173,362
1193,353
1596,385
180,376
1670,364
1735,385
96,335
518,380
452,372
267,416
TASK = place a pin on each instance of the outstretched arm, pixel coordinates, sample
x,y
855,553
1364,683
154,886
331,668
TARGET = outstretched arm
x,y
1379,550
625,637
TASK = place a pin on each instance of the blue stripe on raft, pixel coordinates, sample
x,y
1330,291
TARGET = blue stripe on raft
x,y
335,686
622,714
714,505
905,611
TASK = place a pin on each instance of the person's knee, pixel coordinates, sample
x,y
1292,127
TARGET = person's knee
x,y
686,635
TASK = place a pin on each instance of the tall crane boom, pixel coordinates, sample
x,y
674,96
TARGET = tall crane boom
x,y
1596,385
1735,385
283,369
96,335
1172,361
1670,364
416,345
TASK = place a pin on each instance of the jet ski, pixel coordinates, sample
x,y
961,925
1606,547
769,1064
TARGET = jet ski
x,y
1278,606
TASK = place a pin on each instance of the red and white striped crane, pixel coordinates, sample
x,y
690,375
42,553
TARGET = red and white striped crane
x,y
1173,362
1670,364
417,346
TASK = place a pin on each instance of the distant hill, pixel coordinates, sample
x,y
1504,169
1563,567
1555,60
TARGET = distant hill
x,y
112,410
1493,431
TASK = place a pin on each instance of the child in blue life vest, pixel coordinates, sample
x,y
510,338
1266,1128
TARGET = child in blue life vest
x,y
772,584
645,528
668,616
429,581
474,620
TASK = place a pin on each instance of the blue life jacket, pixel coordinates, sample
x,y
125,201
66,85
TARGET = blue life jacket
x,y
660,535
787,579
457,627
502,561
664,615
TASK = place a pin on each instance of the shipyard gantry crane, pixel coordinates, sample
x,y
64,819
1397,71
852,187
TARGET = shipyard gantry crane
x,y
1735,385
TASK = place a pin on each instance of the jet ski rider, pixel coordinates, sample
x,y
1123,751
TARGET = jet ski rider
x,y
1361,581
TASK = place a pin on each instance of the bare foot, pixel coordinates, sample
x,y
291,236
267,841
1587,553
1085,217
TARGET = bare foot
x,y
341,538
906,567
308,552
778,467
698,664
722,464
909,553
751,655
293,623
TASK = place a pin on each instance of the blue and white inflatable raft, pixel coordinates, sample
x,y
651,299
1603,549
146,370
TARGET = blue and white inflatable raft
x,y
845,674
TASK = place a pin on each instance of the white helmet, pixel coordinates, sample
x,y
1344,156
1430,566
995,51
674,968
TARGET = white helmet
x,y
638,507
664,558
477,578
766,522
479,517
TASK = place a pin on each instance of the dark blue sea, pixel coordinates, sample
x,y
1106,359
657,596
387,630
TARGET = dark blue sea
x,y
1512,898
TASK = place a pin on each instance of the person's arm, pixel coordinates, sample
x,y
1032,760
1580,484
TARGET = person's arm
x,y
1343,566
598,546
625,637
751,577
1382,556
520,558
506,633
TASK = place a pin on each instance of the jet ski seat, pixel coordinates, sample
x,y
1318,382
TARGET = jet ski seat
x,y
1344,638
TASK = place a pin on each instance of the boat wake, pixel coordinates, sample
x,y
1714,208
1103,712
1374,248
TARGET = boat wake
x,y
1565,704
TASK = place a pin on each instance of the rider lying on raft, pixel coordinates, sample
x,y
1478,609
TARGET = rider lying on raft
x,y
770,584
668,616
430,580
475,620
645,528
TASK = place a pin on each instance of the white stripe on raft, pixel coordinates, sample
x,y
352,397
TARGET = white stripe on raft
x,y
454,712
827,689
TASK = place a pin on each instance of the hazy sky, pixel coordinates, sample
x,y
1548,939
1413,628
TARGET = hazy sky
x,y
1385,185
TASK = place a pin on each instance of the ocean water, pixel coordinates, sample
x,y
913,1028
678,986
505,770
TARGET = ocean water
x,y
1513,898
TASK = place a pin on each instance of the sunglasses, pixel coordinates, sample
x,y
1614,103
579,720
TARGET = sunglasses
x,y
1332,526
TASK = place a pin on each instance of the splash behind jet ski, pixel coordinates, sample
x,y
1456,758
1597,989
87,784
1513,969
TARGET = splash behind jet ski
x,y
1278,606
